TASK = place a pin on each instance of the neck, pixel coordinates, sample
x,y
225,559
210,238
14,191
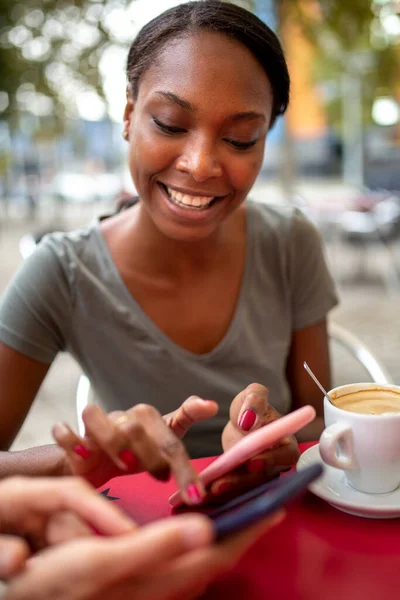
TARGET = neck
x,y
156,253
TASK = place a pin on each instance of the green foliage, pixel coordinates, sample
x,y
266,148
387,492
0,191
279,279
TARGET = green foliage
x,y
38,37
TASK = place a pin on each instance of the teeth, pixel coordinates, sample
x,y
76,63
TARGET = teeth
x,y
197,202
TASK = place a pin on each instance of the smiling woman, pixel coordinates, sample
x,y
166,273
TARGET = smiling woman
x,y
193,289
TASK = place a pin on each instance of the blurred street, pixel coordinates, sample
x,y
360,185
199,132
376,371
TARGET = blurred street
x,y
369,298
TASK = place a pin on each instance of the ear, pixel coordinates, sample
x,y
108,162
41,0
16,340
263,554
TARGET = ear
x,y
128,107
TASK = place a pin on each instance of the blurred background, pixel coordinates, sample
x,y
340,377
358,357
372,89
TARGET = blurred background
x,y
336,155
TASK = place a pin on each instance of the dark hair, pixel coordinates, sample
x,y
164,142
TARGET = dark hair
x,y
213,15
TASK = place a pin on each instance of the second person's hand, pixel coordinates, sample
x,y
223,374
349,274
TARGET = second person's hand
x,y
180,550
32,511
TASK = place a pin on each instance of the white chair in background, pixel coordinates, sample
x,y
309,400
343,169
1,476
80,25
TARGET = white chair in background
x,y
84,396
349,353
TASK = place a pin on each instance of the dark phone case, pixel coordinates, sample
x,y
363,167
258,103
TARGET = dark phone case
x,y
232,517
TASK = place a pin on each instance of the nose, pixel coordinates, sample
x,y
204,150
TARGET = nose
x,y
199,159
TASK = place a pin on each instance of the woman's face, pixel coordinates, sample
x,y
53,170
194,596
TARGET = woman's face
x,y
196,132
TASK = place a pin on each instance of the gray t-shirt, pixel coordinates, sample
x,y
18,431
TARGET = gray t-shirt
x,y
69,296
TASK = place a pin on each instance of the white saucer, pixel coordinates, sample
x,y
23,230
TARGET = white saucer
x,y
333,488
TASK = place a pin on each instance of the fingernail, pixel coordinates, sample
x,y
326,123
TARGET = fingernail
x,y
256,466
82,451
247,420
128,458
193,494
224,487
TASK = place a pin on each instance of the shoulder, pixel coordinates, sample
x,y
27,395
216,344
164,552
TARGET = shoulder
x,y
282,224
67,249
71,243
56,260
281,218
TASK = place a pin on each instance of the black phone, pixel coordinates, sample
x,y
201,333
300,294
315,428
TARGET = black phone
x,y
253,506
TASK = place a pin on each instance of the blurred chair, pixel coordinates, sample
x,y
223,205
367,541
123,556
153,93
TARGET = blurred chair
x,y
351,361
84,396
373,228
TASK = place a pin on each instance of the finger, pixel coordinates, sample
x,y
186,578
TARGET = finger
x,y
144,448
235,484
174,452
135,554
191,411
79,451
156,544
249,408
105,434
282,456
65,526
13,554
26,500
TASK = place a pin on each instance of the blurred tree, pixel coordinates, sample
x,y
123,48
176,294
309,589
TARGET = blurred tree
x,y
48,45
50,49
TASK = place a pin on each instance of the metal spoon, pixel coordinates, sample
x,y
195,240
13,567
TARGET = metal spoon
x,y
323,390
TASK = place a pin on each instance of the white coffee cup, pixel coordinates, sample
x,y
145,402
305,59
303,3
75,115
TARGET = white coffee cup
x,y
362,435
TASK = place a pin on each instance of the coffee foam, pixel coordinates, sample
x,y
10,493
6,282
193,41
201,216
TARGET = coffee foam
x,y
378,401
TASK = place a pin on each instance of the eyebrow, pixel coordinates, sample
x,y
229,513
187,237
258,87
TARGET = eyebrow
x,y
250,115
174,99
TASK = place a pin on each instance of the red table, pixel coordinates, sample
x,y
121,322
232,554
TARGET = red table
x,y
316,553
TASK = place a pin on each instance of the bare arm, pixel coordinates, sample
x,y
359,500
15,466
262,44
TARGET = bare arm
x,y
20,380
311,345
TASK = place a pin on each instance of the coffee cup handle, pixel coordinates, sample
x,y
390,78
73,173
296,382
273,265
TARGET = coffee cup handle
x,y
336,447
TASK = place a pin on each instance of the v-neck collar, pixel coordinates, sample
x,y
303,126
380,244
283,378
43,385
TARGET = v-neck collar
x,y
152,329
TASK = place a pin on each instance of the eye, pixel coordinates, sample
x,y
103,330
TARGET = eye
x,y
168,128
241,145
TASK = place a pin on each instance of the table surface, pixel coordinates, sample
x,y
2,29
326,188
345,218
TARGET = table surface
x,y
316,553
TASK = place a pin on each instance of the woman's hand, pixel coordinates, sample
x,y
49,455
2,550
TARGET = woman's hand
x,y
251,410
35,512
180,550
139,439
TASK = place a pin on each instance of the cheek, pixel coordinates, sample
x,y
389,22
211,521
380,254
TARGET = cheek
x,y
245,172
148,156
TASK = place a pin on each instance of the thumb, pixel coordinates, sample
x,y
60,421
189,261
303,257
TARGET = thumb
x,y
193,409
13,554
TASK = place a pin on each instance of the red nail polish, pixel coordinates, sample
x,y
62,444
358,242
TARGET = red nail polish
x,y
256,466
82,451
224,487
96,531
247,420
128,458
193,494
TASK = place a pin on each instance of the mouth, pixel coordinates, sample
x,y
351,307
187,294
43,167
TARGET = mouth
x,y
183,200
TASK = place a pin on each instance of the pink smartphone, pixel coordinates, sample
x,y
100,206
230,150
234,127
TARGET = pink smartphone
x,y
251,445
